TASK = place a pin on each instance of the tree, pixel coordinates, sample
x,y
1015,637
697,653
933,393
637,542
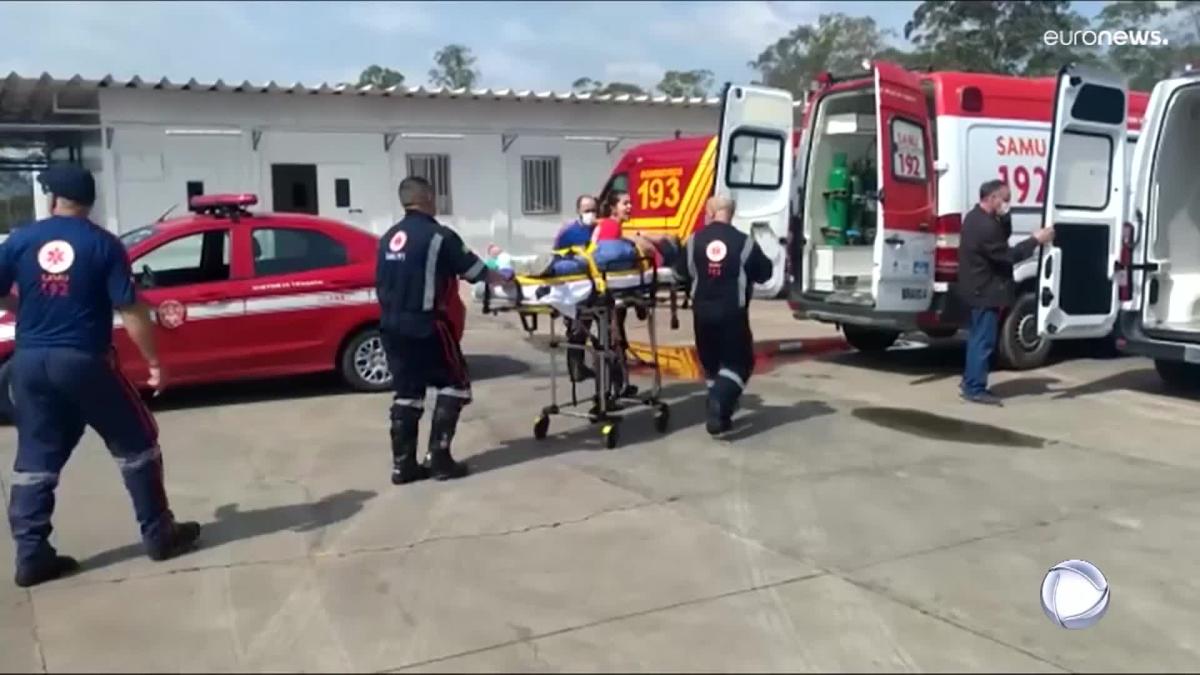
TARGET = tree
x,y
586,85
1005,36
690,83
836,43
1143,65
455,68
379,76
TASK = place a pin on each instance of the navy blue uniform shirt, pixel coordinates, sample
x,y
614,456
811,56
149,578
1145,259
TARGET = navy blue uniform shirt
x,y
71,274
722,263
417,257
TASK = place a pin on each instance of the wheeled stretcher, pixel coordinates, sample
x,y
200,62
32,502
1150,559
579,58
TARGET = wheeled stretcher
x,y
599,298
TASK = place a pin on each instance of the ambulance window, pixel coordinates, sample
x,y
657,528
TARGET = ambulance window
x,y
1099,104
755,161
908,150
1083,174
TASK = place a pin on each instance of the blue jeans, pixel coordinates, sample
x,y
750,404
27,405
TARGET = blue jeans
x,y
981,342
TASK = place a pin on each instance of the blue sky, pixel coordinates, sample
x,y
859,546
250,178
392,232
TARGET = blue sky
x,y
523,45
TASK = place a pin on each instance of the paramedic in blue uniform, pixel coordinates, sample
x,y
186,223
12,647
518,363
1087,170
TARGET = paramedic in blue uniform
x,y
578,233
71,275
723,263
419,261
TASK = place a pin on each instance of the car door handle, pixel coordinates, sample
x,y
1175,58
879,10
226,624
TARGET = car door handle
x,y
894,241
355,210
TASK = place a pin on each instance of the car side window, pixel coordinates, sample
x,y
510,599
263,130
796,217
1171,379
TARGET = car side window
x,y
281,250
199,258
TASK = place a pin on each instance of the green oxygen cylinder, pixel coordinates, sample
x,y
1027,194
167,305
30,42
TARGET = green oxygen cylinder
x,y
854,233
837,204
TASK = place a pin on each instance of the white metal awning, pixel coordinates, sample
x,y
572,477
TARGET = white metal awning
x,y
46,99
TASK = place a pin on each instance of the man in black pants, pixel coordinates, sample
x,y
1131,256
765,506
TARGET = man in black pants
x,y
418,261
722,264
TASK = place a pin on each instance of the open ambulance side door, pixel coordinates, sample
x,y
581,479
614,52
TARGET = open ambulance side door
x,y
1086,205
902,278
754,167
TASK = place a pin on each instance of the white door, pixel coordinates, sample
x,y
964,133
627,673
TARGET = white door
x,y
341,193
1144,184
1086,189
754,166
905,244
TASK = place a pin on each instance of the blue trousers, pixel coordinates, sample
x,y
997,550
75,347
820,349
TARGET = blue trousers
x,y
726,352
56,394
981,342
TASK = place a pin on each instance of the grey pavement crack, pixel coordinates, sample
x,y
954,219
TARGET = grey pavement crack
x,y
612,619
374,550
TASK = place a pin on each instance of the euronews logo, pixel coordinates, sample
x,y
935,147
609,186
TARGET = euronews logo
x,y
1105,38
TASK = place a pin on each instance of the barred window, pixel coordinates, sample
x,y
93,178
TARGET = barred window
x,y
540,185
436,170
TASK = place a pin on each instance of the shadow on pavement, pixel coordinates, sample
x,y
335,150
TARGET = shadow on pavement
x,y
230,524
687,402
481,366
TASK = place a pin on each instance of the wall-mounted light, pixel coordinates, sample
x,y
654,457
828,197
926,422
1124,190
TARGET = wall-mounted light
x,y
204,132
444,137
592,139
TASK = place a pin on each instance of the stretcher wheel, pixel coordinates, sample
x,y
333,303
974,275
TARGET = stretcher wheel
x,y
540,426
662,419
611,433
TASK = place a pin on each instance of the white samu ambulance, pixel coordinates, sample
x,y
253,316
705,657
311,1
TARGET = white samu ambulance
x,y
1126,251
888,164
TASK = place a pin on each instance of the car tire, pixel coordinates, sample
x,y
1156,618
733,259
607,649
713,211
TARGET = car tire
x,y
1178,375
1018,346
363,363
868,340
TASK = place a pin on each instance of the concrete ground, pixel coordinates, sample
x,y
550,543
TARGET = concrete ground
x,y
862,519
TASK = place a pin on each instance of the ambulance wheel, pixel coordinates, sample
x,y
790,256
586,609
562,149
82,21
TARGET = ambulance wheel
x,y
869,340
611,433
1018,346
1178,375
662,419
540,427
363,362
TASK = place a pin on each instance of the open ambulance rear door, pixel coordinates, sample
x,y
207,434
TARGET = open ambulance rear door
x,y
902,278
754,167
1086,205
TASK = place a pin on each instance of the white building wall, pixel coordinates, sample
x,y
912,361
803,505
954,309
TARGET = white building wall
x,y
146,168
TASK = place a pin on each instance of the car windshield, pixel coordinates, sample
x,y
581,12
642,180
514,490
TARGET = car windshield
x,y
132,237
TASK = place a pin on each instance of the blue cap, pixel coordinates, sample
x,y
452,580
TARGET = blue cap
x,y
69,181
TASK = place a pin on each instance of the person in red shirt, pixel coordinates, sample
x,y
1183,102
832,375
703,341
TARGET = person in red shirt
x,y
617,207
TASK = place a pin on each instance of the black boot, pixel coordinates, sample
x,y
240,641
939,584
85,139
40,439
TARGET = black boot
x,y
445,421
577,370
182,539
405,427
53,567
718,421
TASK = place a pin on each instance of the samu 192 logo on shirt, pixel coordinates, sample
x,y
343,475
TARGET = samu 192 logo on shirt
x,y
396,246
716,251
56,257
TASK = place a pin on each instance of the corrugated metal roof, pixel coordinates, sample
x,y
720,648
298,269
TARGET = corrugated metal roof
x,y
16,82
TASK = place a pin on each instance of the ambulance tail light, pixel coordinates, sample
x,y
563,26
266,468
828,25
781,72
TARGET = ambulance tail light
x,y
1125,261
945,256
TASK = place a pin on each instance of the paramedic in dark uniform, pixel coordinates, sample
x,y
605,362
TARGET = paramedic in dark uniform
x,y
419,264
71,275
722,264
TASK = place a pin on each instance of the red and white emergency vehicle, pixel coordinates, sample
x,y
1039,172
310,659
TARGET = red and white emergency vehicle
x,y
928,141
238,294
953,131
1127,237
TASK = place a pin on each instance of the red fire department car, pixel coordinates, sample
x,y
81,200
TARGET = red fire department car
x,y
240,295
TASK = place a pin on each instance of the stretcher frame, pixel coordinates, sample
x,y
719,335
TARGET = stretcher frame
x,y
606,342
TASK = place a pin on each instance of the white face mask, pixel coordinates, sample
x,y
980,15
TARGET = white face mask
x,y
587,218
1003,208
